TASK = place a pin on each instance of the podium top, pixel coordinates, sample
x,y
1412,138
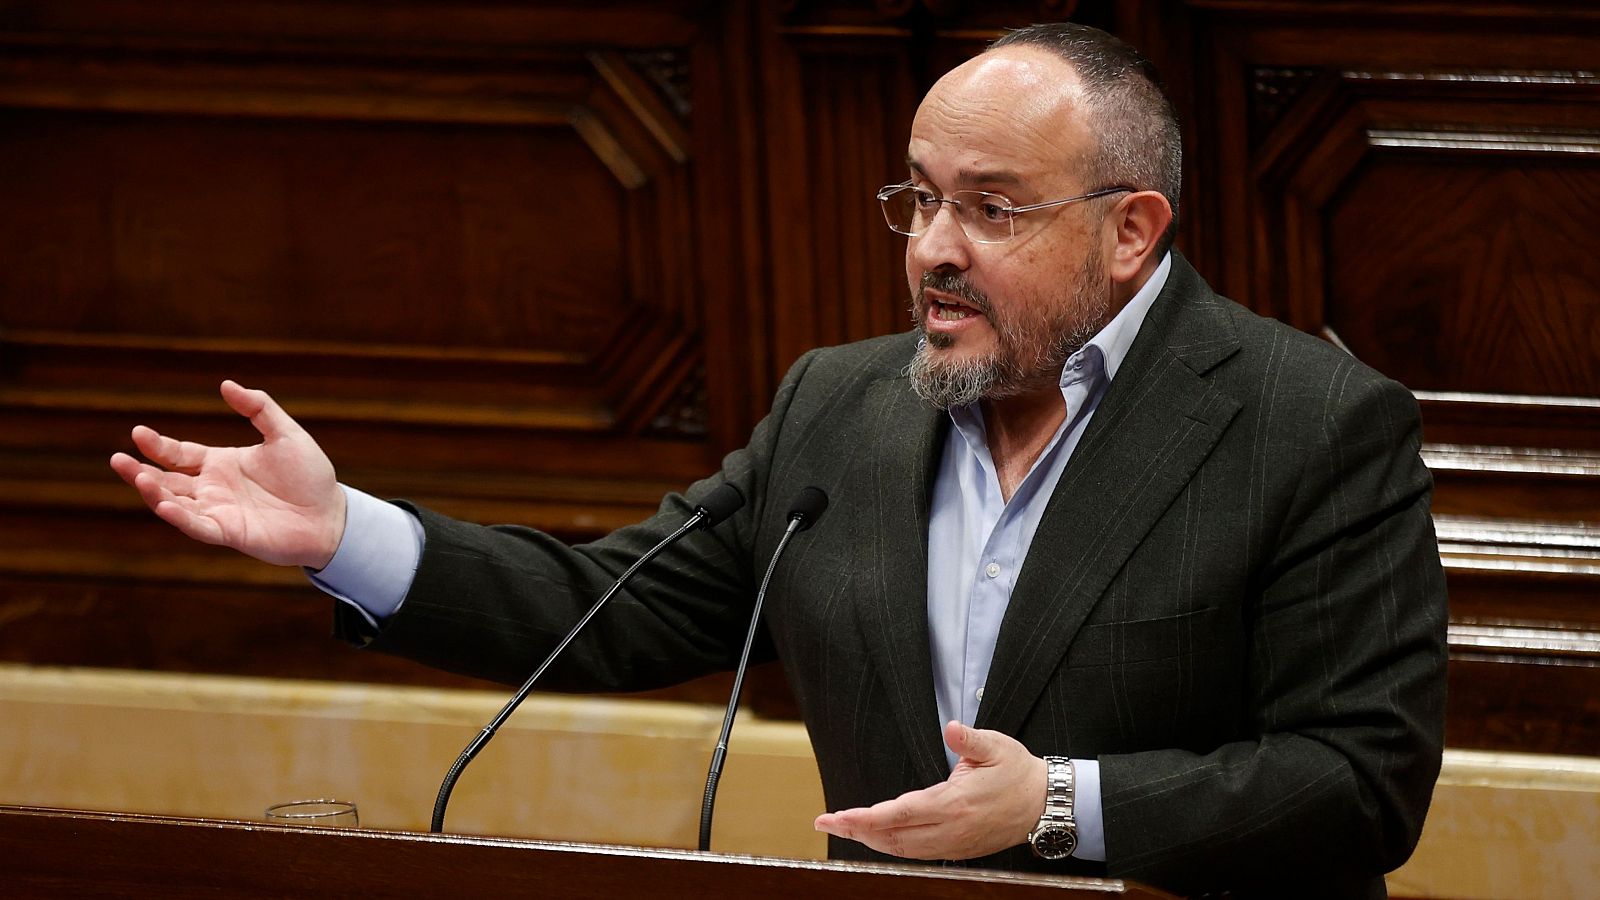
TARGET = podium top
x,y
58,852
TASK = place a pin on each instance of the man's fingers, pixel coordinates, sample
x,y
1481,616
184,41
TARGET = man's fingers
x,y
170,496
913,842
181,515
259,407
171,453
157,487
914,808
179,510
153,483
923,841
128,468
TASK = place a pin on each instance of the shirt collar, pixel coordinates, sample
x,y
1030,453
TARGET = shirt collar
x,y
1102,356
1116,339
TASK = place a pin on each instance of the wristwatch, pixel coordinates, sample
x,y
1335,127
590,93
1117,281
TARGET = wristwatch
x,y
1056,835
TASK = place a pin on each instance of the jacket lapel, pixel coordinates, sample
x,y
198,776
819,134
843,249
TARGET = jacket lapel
x,y
1157,422
892,608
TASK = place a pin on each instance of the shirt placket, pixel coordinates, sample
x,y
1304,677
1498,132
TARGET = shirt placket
x,y
990,593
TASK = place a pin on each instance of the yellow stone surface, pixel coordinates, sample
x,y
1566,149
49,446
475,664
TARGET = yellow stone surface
x,y
1502,826
1509,825
583,769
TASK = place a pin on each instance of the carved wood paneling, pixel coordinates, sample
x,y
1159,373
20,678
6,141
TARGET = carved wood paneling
x,y
465,233
466,246
342,218
838,281
1486,281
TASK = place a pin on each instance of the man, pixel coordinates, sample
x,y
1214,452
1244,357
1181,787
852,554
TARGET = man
x,y
1165,569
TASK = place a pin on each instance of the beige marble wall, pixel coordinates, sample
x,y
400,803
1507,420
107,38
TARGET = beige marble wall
x,y
585,769
1509,825
614,771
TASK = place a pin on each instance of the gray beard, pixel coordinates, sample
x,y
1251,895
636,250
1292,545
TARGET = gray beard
x,y
946,384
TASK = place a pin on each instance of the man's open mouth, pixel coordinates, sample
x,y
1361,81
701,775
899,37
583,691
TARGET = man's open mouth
x,y
946,308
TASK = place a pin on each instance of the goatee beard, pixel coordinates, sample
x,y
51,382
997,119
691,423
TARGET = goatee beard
x,y
946,384
1025,354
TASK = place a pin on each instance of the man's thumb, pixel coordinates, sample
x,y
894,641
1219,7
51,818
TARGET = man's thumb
x,y
969,743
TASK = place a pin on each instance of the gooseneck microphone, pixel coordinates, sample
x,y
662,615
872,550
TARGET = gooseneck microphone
x,y
808,506
722,502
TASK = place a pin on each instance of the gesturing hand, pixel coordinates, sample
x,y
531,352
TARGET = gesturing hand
x,y
991,800
277,501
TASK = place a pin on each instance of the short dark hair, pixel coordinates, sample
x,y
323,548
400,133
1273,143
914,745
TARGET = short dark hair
x,y
1141,145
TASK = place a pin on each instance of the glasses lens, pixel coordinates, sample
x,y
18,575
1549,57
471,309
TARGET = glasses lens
x,y
985,217
900,210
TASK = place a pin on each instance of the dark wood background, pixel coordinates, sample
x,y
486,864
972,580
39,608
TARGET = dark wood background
x,y
540,262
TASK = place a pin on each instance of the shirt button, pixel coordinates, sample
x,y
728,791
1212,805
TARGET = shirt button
x,y
980,694
992,570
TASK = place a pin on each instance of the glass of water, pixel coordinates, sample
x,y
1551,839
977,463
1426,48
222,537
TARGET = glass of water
x,y
321,813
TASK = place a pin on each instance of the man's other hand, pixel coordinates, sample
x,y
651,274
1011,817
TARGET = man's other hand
x,y
277,501
991,800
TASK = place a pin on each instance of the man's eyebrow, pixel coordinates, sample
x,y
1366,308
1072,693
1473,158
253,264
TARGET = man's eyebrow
x,y
974,176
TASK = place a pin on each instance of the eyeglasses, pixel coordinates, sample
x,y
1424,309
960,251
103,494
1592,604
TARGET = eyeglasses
x,y
984,217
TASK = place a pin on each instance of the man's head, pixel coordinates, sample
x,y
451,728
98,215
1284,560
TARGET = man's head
x,y
1046,113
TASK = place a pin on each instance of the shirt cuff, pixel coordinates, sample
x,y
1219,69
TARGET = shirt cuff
x,y
1086,810
377,557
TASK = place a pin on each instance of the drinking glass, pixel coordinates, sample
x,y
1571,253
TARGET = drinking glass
x,y
322,813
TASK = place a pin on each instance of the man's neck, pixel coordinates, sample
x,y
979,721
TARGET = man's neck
x,y
1018,429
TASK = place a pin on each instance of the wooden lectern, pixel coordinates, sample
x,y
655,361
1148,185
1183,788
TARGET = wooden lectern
x,y
67,853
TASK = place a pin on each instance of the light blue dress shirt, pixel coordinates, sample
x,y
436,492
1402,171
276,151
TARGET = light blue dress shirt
x,y
977,541
976,544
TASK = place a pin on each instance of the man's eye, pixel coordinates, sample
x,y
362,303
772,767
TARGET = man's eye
x,y
994,212
925,199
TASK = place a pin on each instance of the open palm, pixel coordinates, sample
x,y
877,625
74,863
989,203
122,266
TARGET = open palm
x,y
277,501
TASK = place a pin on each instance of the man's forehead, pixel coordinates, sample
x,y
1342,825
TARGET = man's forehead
x,y
1018,81
973,168
998,118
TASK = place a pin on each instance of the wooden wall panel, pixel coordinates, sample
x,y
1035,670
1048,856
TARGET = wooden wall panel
x,y
832,278
1484,282
345,214
460,243
347,235
371,230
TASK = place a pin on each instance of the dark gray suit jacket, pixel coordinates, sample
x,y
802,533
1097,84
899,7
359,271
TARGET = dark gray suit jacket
x,y
1234,601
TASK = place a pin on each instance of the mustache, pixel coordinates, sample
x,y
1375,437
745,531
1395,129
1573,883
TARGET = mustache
x,y
953,283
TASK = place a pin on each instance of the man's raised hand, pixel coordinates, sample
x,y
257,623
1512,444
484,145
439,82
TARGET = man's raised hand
x,y
277,501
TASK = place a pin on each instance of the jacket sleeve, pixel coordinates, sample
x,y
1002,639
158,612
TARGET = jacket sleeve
x,y
492,601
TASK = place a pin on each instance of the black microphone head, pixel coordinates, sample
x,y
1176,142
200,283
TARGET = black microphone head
x,y
721,503
808,507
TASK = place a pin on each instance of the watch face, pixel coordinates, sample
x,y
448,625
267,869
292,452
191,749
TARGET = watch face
x,y
1055,842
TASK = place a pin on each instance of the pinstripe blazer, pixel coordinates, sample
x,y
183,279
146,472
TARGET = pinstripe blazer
x,y
1234,601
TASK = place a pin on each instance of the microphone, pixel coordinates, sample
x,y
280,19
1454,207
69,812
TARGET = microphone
x,y
807,508
722,502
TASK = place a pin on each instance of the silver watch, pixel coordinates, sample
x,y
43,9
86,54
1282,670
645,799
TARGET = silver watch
x,y
1056,835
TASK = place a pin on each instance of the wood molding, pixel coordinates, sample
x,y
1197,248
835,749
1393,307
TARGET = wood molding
x,y
619,384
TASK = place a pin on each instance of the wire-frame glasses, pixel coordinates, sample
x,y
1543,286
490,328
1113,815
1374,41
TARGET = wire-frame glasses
x,y
985,217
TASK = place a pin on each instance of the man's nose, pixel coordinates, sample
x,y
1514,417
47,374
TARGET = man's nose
x,y
943,242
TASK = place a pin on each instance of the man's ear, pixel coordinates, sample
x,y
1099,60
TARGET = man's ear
x,y
1137,223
